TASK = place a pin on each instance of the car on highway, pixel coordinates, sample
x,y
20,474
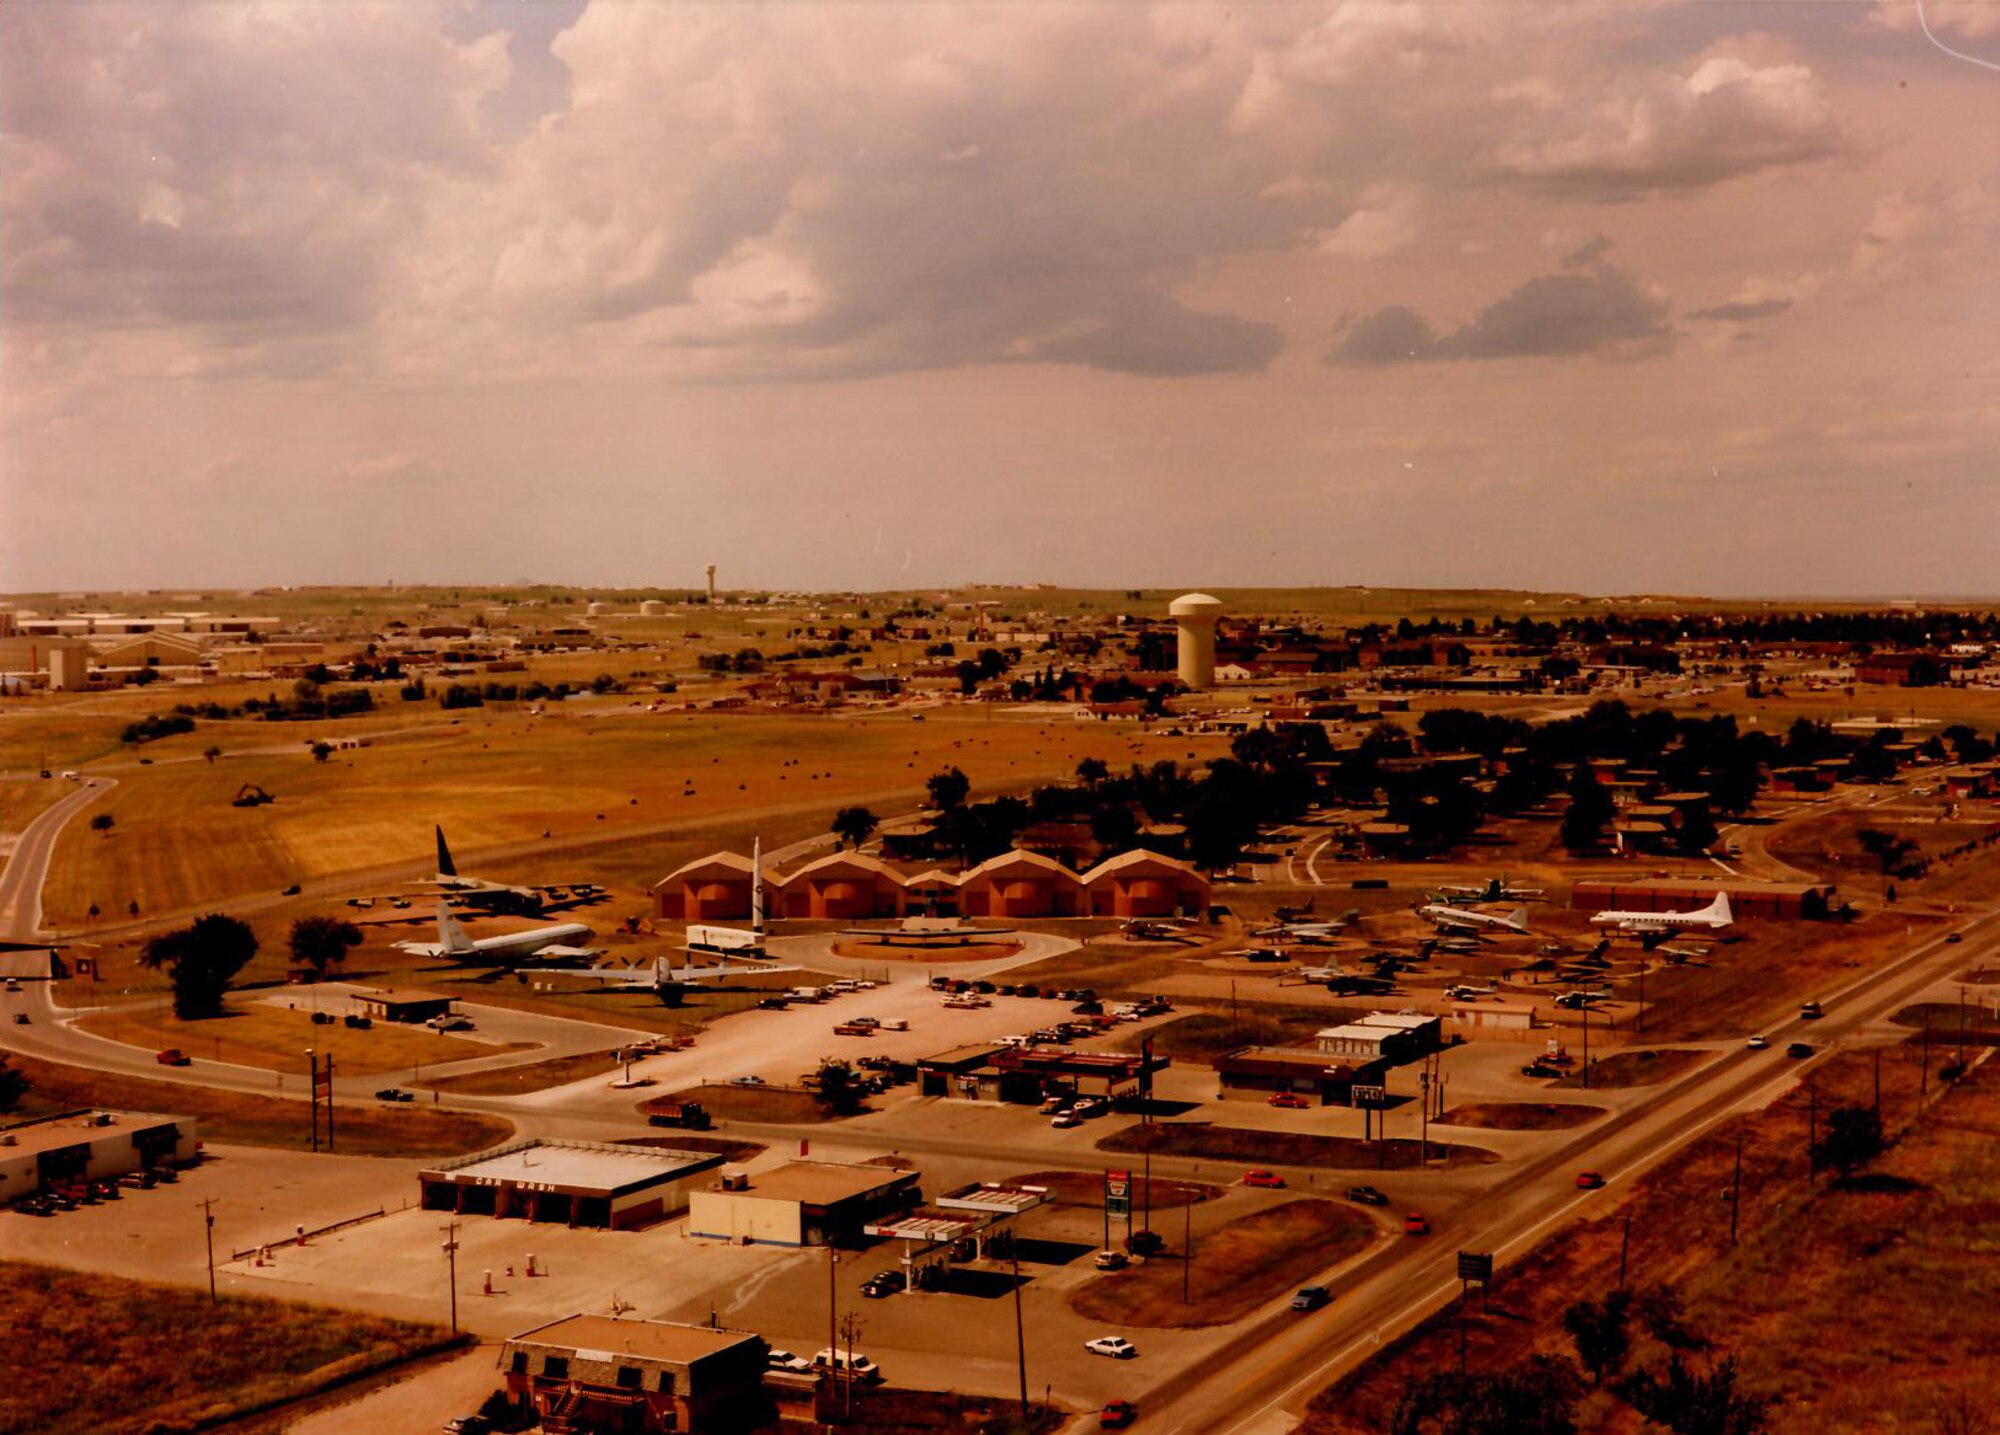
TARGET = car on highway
x,y
884,1283
1758,1043
1416,1224
1271,1180
1588,1180
1810,1011
1289,1100
1799,1050
12,985
291,891
1111,1260
1117,1347
1117,1415
394,1093
20,1018
776,1359
1311,1298
173,1056
1367,1196
1951,937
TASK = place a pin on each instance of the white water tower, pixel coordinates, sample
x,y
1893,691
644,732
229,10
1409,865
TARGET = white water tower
x,y
1195,614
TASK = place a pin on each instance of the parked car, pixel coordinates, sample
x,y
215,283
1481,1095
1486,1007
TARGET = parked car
x,y
1117,1415
1111,1260
1416,1224
1055,1105
1115,1346
468,1425
775,1359
883,1283
394,1093
746,1081
1588,1180
1289,1100
1269,1179
1367,1196
1311,1298
291,891
1540,1069
854,1362
1065,1120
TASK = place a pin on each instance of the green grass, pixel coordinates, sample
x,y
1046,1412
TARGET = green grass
x,y
97,1355
240,1118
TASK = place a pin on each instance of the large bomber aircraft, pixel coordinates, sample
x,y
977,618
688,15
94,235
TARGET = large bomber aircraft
x,y
454,945
1494,889
1448,918
490,896
659,974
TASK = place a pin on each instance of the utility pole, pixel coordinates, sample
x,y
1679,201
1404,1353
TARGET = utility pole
x,y
451,1262
312,1094
1924,1083
1642,989
1624,1248
832,1311
1736,1188
1187,1239
1020,1329
1878,1083
1586,1046
208,1215
850,1328
329,1103
1424,1120
1812,1132
1961,1024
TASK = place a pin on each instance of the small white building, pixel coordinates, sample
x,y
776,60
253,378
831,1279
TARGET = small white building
x,y
79,1146
1355,1042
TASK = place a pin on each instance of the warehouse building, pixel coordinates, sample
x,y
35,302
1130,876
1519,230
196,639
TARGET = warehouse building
x,y
571,1183
636,1377
801,1203
1029,1074
406,1004
55,1152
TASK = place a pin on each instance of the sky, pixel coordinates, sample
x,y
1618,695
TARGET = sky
x,y
1610,297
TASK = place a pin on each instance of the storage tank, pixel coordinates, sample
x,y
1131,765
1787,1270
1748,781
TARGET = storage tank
x,y
1195,614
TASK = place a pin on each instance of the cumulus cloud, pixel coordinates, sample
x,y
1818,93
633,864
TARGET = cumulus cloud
x,y
1742,311
1593,308
1658,131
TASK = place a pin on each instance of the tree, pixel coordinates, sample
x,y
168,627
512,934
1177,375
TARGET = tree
x,y
200,960
1691,1404
840,1088
1537,1397
321,751
1885,847
1853,1139
103,822
1114,828
321,942
1599,1331
948,789
1589,811
1091,771
211,753
13,1085
854,825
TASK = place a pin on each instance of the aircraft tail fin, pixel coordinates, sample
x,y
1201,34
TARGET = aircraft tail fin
x,y
451,936
1720,908
1518,919
446,867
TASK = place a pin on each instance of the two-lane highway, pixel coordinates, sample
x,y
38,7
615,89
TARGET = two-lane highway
x,y
28,866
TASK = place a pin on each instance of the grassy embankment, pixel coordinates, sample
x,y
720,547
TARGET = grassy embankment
x,y
241,1118
1204,1142
1234,1268
98,1355
251,1033
1862,1304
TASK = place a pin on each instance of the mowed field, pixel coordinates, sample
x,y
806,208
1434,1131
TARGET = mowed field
x,y
506,781
252,1033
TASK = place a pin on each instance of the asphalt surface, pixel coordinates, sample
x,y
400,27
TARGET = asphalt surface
x,y
28,866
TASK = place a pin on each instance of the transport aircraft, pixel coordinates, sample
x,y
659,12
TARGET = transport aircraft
x,y
453,944
1655,925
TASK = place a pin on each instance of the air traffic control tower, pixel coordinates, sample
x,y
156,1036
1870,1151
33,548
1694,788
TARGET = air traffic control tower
x,y
1195,614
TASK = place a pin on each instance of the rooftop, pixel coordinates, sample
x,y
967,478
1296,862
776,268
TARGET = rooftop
x,y
648,1339
824,1183
588,1165
74,1128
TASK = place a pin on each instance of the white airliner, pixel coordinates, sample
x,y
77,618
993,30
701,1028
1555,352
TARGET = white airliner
x,y
1714,917
1494,889
1464,919
453,943
1468,994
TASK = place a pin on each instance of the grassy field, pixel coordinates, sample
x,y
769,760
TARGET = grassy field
x,y
1234,1269
623,785
94,1355
251,1033
781,1105
1520,1116
1280,1148
1632,1068
532,1076
243,1119
1861,1305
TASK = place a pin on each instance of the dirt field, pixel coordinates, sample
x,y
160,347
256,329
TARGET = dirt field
x,y
1235,1269
1332,1153
1632,1068
250,1033
1861,1305
263,1120
533,1076
1520,1116
134,1341
782,1104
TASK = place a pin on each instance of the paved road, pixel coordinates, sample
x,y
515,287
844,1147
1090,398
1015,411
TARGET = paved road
x,y
28,867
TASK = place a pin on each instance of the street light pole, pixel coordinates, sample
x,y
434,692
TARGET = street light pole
x,y
208,1214
451,1264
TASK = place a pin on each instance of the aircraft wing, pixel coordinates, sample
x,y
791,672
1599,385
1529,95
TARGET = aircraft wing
x,y
557,949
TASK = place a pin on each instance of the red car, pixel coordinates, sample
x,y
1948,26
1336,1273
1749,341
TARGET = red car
x,y
1263,1178
1588,1180
1117,1415
1416,1224
1290,1100
172,1056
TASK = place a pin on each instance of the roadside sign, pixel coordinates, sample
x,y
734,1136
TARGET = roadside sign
x,y
1118,1193
1369,1097
1475,1267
